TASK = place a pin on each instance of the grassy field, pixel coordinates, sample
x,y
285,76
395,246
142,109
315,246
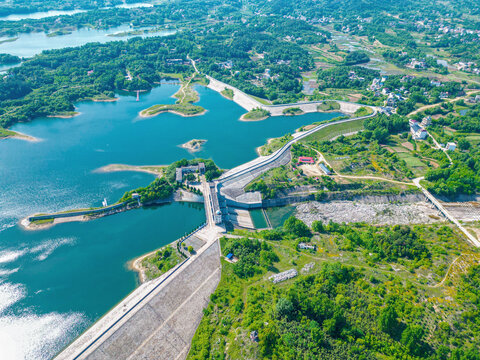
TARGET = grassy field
x,y
228,93
274,144
256,115
293,111
335,130
329,106
160,262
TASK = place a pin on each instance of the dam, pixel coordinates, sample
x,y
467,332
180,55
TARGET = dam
x,y
158,320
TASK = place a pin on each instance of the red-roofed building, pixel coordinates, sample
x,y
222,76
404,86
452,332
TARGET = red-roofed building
x,y
306,160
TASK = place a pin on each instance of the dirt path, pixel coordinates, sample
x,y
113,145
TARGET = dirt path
x,y
321,158
475,256
425,107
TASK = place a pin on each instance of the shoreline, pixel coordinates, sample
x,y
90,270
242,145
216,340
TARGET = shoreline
x,y
136,265
242,118
149,169
29,226
21,136
143,115
105,100
65,116
257,150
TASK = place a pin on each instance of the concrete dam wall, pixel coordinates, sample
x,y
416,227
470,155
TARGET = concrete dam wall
x,y
158,320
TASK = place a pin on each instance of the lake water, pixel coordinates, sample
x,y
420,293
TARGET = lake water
x,y
55,283
39,15
45,14
28,45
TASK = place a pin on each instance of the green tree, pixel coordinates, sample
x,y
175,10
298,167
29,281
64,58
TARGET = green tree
x,y
317,226
387,320
412,338
296,227
285,309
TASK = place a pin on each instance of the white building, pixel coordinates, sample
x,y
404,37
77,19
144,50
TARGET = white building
x,y
418,132
451,146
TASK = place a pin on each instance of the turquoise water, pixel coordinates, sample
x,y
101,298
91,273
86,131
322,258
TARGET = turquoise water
x,y
28,45
278,215
54,283
258,219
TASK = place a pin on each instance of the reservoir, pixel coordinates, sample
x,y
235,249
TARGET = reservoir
x,y
50,13
55,283
28,45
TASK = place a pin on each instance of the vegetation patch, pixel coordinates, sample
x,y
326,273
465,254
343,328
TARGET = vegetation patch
x,y
228,93
363,111
179,109
328,106
274,144
335,130
292,111
256,115
6,133
380,301
160,262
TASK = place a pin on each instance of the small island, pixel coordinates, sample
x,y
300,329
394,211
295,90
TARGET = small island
x,y
255,115
194,145
184,106
185,110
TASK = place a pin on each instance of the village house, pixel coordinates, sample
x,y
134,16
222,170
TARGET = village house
x,y
418,132
306,246
451,146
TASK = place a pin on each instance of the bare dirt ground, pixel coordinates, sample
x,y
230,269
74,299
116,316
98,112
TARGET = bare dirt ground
x,y
372,213
464,211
